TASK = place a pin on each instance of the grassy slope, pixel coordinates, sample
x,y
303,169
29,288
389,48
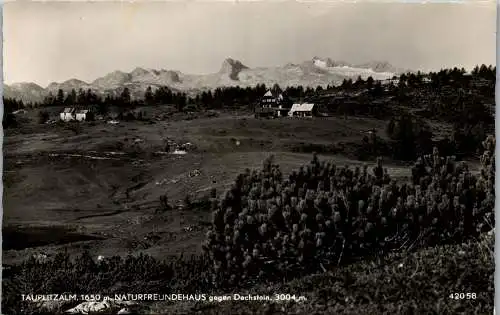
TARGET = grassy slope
x,y
416,283
40,190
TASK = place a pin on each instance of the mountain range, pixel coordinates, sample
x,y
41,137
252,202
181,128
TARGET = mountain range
x,y
314,72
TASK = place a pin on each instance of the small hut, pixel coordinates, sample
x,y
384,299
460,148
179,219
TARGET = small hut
x,y
303,110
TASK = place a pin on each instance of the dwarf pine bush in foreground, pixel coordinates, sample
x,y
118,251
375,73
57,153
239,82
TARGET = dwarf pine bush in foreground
x,y
325,214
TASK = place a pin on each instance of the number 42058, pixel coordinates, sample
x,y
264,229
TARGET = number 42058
x,y
463,296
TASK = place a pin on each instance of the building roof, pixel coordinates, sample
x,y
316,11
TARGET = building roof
x,y
268,94
68,110
82,111
304,107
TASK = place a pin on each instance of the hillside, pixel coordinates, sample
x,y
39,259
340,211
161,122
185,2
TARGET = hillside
x,y
317,71
375,286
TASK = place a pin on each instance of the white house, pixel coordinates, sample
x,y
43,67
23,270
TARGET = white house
x,y
75,113
68,114
302,110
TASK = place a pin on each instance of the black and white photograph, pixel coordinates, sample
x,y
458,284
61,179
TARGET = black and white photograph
x,y
248,157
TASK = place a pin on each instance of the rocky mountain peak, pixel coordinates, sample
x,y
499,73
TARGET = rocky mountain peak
x,y
232,68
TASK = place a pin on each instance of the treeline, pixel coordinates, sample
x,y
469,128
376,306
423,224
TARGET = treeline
x,y
238,96
219,98
455,77
410,136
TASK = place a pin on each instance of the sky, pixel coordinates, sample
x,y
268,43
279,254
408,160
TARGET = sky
x,y
56,41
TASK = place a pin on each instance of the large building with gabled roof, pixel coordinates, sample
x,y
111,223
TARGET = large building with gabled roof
x,y
272,104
